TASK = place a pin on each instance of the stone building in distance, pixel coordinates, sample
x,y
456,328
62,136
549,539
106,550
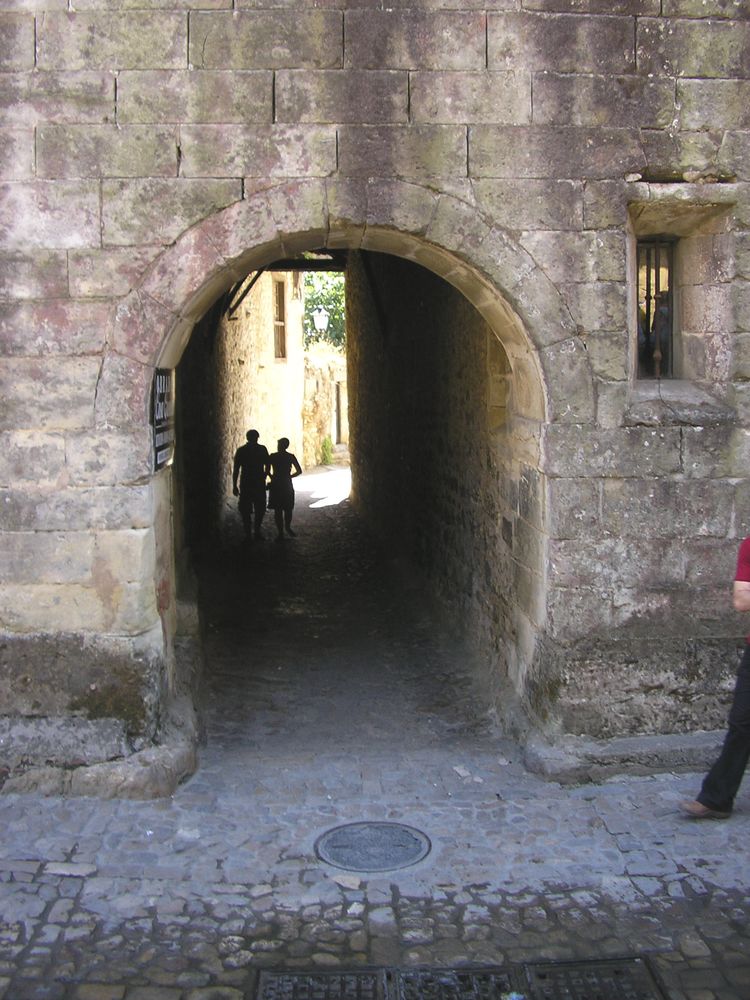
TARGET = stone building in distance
x,y
543,209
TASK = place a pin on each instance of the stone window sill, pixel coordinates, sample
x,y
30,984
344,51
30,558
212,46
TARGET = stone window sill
x,y
674,402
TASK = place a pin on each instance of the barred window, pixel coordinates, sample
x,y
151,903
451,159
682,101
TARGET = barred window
x,y
655,308
279,319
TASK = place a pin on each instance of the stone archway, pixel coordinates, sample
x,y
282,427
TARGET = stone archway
x,y
551,380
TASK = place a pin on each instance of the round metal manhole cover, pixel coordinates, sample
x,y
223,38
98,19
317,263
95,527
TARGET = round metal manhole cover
x,y
372,847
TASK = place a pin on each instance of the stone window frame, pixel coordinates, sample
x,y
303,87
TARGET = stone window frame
x,y
279,307
697,220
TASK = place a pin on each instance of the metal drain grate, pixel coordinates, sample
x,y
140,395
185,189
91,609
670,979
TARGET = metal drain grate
x,y
455,984
372,847
623,979
366,985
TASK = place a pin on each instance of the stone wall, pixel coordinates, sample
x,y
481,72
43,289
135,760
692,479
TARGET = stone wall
x,y
152,158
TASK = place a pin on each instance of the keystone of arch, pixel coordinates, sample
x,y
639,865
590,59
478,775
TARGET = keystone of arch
x,y
443,231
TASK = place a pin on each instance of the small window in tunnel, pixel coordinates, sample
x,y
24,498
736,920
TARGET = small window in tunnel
x,y
655,308
279,319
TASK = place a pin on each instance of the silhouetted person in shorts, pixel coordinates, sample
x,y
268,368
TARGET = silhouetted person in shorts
x,y
251,465
284,468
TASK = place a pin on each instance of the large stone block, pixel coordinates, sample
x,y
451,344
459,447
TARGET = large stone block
x,y
605,204
642,508
578,257
693,48
715,452
109,457
597,305
413,152
45,557
610,563
273,151
270,39
157,211
126,609
562,43
619,453
124,391
704,9
59,97
107,151
574,507
681,156
454,98
107,273
347,96
713,104
135,39
733,156
200,97
54,326
536,152
606,101
16,41
31,457
570,390
609,354
99,678
52,507
415,39
16,154
640,8
49,215
40,275
533,204
49,392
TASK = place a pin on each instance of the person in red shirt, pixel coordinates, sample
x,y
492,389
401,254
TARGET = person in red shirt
x,y
716,797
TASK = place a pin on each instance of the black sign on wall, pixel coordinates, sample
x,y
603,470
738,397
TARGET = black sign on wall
x,y
162,417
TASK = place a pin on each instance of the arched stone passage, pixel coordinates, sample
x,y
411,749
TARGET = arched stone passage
x,y
550,379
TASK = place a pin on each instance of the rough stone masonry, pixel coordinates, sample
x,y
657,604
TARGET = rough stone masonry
x,y
506,158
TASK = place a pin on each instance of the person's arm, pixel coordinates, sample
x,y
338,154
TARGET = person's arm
x,y
741,595
296,466
235,473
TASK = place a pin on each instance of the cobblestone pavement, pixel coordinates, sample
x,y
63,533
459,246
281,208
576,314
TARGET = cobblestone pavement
x,y
332,698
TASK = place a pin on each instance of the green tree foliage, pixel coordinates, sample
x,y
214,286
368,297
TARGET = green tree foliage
x,y
326,289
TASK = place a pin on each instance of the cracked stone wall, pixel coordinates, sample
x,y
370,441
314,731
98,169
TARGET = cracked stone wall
x,y
151,156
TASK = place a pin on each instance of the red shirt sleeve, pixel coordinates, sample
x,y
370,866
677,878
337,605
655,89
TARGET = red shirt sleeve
x,y
743,562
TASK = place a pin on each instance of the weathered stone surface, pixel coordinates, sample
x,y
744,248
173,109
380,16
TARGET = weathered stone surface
x,y
186,96
61,740
147,211
578,257
31,456
599,100
108,458
123,392
414,152
16,41
106,151
50,507
626,452
609,353
277,151
50,392
533,204
265,39
111,41
45,557
341,96
49,215
54,326
598,305
703,49
100,273
122,609
41,275
714,104
415,39
561,43
666,509
707,9
453,98
60,97
16,154
535,152
687,156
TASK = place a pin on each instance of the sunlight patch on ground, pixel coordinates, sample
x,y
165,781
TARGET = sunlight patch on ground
x,y
326,487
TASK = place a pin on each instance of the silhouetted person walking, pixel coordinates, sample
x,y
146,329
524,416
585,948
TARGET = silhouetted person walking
x,y
251,465
284,468
716,797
